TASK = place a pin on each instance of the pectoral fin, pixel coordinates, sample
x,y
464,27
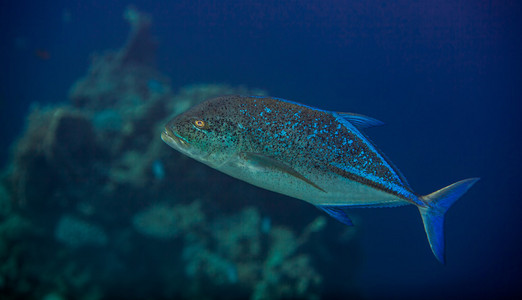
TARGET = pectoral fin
x,y
264,161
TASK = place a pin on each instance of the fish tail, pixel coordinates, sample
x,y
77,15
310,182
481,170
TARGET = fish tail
x,y
437,204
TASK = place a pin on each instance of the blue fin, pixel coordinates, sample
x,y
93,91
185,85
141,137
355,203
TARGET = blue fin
x,y
337,212
360,121
437,204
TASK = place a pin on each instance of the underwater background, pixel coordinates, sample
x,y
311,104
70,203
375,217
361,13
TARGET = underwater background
x,y
93,205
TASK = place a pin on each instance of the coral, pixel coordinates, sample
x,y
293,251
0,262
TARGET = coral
x,y
164,221
57,147
239,242
75,232
108,120
233,250
30,269
125,78
236,252
202,264
140,47
288,274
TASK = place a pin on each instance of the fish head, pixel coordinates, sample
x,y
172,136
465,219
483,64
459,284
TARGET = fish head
x,y
207,132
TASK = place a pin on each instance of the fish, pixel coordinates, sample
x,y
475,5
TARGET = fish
x,y
319,156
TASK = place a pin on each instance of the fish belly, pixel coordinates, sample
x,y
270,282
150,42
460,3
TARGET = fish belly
x,y
335,190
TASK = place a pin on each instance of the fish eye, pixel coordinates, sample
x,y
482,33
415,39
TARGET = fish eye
x,y
200,124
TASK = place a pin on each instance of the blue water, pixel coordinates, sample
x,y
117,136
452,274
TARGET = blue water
x,y
445,77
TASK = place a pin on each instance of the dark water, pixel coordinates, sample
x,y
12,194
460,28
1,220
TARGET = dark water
x,y
444,76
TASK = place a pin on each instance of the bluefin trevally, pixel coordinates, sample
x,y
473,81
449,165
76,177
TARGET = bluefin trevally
x,y
319,156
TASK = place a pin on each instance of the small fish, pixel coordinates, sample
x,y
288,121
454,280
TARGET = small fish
x,y
321,157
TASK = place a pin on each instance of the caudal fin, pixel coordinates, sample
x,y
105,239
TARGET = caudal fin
x,y
437,204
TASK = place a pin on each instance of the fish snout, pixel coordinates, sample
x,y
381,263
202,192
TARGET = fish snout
x,y
173,140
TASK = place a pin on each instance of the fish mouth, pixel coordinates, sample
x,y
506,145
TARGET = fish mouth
x,y
173,139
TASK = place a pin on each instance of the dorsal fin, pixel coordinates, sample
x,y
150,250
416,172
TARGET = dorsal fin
x,y
360,121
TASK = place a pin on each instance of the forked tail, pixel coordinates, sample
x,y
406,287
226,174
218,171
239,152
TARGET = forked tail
x,y
437,204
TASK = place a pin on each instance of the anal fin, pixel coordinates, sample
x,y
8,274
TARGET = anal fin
x,y
337,212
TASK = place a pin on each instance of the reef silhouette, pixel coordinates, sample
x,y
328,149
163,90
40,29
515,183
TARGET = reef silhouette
x,y
93,205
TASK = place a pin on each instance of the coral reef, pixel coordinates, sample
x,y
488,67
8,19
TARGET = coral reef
x,y
58,136
94,206
126,78
233,251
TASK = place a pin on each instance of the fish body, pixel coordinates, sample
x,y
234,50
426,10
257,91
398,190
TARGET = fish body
x,y
319,156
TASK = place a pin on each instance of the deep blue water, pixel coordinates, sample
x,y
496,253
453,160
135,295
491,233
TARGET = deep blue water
x,y
445,77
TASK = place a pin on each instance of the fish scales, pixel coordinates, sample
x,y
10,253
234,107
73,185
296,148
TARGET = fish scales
x,y
277,125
